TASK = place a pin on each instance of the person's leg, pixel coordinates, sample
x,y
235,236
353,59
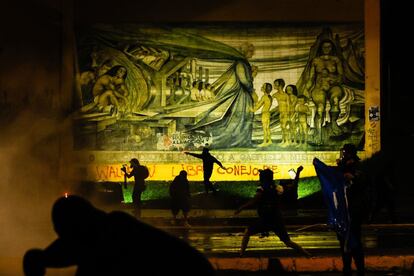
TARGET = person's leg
x,y
336,95
137,204
297,247
245,241
357,252
346,258
280,230
266,128
174,212
319,118
185,215
264,134
359,259
319,98
207,183
283,124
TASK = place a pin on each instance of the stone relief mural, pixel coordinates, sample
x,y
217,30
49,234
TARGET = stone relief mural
x,y
238,87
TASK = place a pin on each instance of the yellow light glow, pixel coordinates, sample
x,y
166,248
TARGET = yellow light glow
x,y
245,172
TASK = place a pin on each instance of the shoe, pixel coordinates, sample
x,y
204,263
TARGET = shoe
x,y
264,235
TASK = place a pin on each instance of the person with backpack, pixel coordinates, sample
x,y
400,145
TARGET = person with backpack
x,y
140,173
270,217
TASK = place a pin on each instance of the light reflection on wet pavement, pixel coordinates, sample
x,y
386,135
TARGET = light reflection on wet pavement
x,y
213,242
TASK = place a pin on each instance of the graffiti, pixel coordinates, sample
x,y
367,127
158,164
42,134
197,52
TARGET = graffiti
x,y
192,170
374,141
236,170
107,172
245,170
184,141
241,172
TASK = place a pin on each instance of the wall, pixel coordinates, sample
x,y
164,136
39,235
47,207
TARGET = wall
x,y
36,77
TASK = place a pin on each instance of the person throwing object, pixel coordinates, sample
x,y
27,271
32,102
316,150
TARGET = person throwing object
x,y
208,163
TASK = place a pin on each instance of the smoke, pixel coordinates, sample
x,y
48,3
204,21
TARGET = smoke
x,y
31,179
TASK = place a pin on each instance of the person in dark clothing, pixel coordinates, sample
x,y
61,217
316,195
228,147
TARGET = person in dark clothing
x,y
351,245
270,218
114,243
180,196
289,200
140,173
208,163
288,191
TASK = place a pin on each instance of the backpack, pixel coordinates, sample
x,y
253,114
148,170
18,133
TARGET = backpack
x,y
143,172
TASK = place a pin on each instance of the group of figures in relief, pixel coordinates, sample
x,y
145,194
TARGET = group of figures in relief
x,y
322,101
316,110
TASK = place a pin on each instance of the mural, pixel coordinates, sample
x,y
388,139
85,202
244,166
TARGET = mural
x,y
238,87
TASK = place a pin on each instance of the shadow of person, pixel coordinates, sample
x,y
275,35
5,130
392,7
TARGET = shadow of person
x,y
114,243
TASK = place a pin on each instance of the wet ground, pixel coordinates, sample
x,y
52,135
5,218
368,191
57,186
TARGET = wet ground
x,y
219,236
216,240
244,273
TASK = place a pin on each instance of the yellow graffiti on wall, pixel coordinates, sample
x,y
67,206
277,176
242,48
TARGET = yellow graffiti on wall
x,y
166,172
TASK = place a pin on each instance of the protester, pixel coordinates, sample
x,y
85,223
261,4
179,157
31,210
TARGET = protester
x,y
180,197
208,163
345,193
270,217
114,243
140,173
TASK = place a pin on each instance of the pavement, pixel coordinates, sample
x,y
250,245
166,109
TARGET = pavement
x,y
217,233
389,247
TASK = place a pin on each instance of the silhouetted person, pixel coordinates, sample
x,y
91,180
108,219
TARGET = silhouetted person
x,y
289,200
270,218
115,243
351,247
288,191
180,196
140,173
208,163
